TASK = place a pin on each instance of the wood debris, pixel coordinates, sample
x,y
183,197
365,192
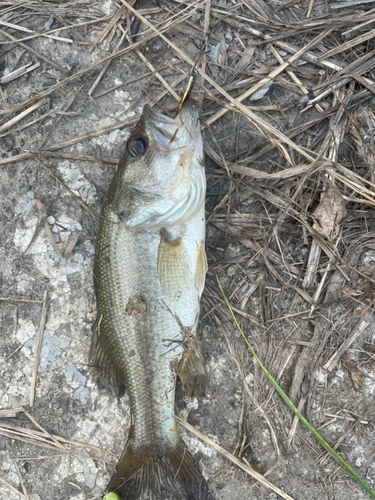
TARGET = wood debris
x,y
354,373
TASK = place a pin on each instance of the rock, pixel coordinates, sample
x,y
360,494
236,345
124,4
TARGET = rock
x,y
7,143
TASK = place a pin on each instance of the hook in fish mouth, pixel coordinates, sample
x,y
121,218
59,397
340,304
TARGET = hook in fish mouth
x,y
166,133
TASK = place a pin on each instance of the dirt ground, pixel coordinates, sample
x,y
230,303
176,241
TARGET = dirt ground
x,y
294,338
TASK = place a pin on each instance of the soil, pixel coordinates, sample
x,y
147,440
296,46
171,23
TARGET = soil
x,y
239,409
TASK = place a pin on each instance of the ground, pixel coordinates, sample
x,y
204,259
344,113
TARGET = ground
x,y
240,412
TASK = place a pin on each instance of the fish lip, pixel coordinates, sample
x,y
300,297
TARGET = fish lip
x,y
154,116
189,107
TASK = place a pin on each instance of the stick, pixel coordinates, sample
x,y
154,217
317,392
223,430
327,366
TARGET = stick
x,y
25,494
105,67
57,121
66,188
11,487
26,30
18,72
358,329
22,115
38,349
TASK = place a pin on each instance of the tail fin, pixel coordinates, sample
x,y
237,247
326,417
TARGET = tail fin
x,y
168,476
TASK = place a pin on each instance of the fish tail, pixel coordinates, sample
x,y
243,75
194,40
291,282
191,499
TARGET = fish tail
x,y
170,474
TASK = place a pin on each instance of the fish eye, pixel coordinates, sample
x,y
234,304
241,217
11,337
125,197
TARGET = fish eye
x,y
137,145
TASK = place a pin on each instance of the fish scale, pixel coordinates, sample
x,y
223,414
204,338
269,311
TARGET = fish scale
x,y
132,334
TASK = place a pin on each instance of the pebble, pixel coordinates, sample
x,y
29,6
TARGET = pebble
x,y
72,374
231,271
215,53
83,394
52,258
49,23
263,56
7,143
259,94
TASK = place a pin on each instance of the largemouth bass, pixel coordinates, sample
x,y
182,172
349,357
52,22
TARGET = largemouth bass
x,y
150,268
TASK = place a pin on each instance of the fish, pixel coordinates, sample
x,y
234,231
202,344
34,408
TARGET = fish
x,y
149,273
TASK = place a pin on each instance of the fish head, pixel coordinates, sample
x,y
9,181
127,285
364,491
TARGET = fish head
x,y
160,179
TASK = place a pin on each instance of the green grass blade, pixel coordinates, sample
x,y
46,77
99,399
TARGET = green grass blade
x,y
324,443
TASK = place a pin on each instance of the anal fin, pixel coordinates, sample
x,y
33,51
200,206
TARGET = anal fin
x,y
100,358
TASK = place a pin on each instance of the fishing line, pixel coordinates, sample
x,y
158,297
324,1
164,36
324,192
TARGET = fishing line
x,y
194,70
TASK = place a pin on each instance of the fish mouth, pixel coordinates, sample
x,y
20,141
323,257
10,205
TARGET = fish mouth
x,y
189,110
173,133
189,107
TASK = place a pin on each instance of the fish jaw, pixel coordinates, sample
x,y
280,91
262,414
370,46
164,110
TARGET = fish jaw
x,y
166,185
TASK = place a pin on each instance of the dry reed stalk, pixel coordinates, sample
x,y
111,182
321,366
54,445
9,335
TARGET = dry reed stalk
x,y
38,349
356,332
22,115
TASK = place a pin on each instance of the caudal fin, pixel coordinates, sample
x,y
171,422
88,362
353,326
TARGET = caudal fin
x,y
171,475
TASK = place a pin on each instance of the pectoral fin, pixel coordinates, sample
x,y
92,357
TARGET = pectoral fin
x,y
193,370
173,267
202,266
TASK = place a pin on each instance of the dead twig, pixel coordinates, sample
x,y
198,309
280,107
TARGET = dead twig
x,y
38,349
356,332
25,494
22,115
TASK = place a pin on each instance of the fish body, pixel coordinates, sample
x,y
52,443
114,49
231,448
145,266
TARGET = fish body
x,y
149,275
